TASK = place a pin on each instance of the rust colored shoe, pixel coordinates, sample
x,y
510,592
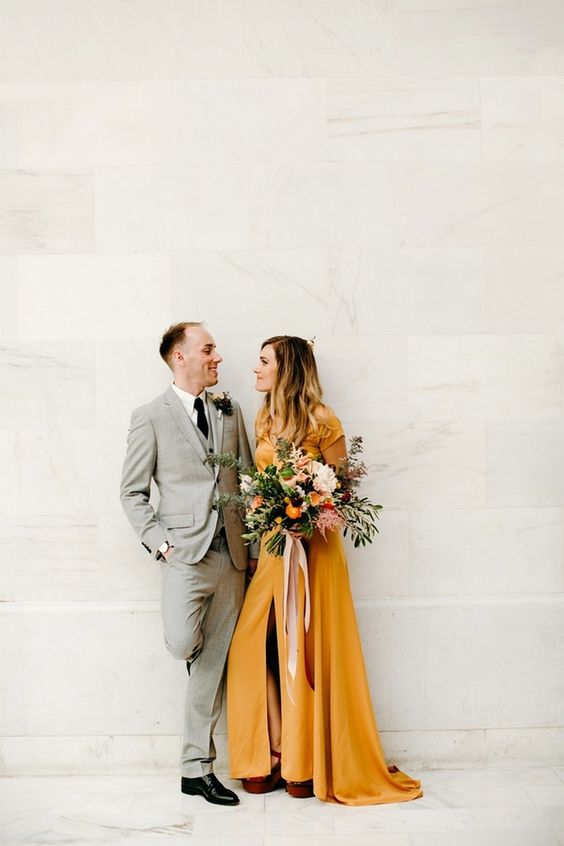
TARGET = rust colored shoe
x,y
300,789
265,784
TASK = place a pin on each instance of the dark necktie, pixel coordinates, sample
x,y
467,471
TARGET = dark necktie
x,y
202,422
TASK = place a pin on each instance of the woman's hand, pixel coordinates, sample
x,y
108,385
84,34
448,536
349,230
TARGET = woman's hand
x,y
295,533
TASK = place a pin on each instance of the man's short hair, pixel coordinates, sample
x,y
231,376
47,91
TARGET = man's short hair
x,y
174,336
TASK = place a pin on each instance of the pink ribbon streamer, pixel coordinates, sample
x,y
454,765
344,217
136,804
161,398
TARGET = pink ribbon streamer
x,y
295,559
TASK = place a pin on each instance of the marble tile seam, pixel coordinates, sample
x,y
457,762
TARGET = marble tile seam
x,y
431,601
117,735
222,735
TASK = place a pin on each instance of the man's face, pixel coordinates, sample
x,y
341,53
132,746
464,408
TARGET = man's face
x,y
199,358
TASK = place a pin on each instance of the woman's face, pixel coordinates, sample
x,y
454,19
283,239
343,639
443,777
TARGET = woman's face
x,y
265,369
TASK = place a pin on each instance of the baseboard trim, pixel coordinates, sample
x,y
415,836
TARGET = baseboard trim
x,y
412,750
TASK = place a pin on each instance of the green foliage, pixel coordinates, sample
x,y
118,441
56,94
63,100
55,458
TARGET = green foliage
x,y
300,494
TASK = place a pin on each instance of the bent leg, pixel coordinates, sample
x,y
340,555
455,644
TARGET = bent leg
x,y
205,685
200,604
184,597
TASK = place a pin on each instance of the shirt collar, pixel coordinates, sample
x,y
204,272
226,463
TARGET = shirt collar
x,y
188,398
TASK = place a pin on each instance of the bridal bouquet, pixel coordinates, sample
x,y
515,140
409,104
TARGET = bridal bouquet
x,y
289,500
300,493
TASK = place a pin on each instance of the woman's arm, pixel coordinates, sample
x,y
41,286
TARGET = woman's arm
x,y
336,454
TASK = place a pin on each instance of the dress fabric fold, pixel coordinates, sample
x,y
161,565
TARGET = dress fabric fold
x,y
329,732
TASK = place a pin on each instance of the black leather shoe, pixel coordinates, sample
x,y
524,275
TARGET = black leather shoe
x,y
210,787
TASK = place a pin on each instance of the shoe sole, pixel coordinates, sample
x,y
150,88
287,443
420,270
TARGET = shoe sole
x,y
266,786
208,799
300,791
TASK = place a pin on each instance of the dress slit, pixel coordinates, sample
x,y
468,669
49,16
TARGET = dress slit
x,y
329,731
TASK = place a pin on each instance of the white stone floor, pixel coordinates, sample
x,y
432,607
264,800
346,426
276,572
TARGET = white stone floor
x,y
503,807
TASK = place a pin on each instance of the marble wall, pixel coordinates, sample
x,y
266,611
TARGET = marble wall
x,y
387,175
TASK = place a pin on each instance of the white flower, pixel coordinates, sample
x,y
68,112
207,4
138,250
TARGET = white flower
x,y
324,479
246,484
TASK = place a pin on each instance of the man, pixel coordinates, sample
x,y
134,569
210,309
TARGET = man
x,y
201,551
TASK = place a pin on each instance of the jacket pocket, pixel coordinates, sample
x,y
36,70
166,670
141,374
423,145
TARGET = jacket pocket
x,y
177,521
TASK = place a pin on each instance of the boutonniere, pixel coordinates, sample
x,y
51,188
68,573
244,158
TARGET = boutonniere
x,y
223,403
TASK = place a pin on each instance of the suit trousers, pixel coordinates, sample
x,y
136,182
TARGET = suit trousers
x,y
200,604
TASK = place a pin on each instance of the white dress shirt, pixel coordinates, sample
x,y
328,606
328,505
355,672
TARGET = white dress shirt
x,y
187,401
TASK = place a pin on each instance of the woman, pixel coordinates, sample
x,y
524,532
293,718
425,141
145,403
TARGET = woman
x,y
314,729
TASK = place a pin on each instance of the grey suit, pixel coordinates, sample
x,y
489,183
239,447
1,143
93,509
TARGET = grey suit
x,y
203,580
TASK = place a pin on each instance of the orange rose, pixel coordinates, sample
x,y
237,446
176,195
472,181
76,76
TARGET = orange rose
x,y
293,511
314,498
256,502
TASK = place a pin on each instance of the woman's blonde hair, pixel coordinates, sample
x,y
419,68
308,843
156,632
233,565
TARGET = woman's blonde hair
x,y
296,393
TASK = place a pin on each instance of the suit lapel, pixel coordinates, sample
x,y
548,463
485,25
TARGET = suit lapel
x,y
216,422
176,410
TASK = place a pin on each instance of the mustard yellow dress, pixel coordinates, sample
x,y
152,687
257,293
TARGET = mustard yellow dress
x,y
329,732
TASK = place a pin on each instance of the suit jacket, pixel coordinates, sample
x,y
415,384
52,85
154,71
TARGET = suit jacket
x,y
163,444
